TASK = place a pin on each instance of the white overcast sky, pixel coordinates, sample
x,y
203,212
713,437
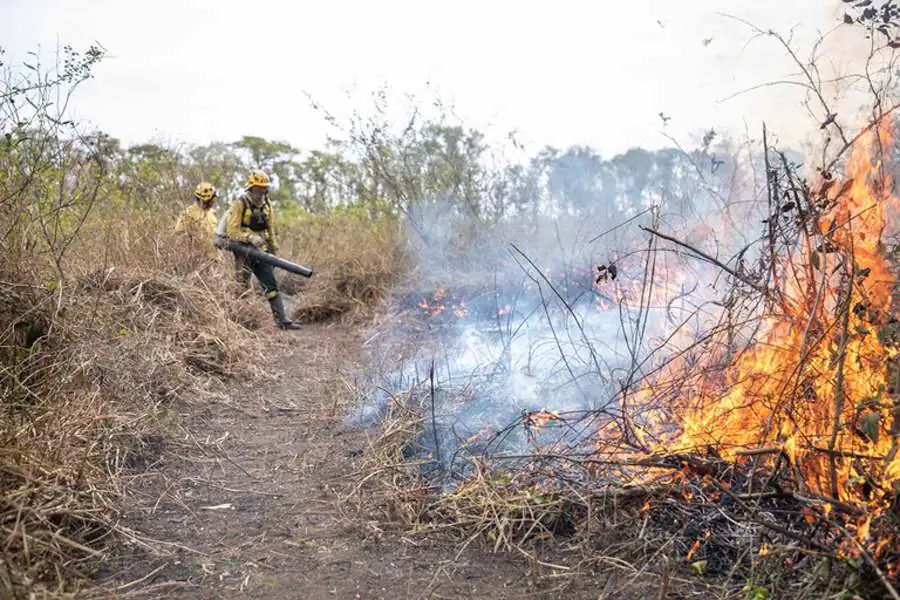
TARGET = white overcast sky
x,y
562,72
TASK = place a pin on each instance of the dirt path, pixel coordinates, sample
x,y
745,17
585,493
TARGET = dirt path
x,y
251,508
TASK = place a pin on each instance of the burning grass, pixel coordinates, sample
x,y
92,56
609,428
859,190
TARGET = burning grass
x,y
667,526
758,459
814,395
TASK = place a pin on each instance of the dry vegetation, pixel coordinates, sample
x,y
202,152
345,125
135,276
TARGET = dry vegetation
x,y
663,525
358,259
94,362
108,322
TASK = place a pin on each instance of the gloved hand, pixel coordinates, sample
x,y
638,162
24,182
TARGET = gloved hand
x,y
256,240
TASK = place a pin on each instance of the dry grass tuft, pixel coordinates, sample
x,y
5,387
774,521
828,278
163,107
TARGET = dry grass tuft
x,y
504,507
356,261
390,486
90,367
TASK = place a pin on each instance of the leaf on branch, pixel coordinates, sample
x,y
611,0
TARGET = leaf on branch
x,y
848,19
605,272
699,567
869,424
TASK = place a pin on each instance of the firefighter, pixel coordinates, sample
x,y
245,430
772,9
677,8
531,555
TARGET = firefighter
x,y
198,220
251,220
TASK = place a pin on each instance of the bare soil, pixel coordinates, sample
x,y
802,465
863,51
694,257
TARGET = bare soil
x,y
246,502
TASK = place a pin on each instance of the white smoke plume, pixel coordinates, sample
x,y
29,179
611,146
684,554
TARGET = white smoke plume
x,y
555,314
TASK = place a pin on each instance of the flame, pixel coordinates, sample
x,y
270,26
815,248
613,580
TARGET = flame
x,y
812,385
460,311
540,418
693,550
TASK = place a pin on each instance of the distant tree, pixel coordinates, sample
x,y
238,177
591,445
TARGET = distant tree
x,y
274,158
574,179
634,170
220,164
327,179
148,171
264,154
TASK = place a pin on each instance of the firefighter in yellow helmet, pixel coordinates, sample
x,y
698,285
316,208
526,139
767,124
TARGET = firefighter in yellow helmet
x,y
251,220
197,221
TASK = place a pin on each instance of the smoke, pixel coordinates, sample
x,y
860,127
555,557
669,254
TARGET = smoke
x,y
551,315
523,333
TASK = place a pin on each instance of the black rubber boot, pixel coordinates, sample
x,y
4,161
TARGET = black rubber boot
x,y
281,320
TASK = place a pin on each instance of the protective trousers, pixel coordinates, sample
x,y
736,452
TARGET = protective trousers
x,y
265,273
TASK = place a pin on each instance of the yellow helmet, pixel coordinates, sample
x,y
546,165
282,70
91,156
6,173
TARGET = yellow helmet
x,y
205,191
257,177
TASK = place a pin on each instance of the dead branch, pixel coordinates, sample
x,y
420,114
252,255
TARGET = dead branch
x,y
711,260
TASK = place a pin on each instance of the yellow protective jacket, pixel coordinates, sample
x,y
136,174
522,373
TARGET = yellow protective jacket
x,y
197,226
239,223
197,222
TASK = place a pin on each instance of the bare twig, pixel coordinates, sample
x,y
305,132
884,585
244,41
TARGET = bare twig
x,y
711,260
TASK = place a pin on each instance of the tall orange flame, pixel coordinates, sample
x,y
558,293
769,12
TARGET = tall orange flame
x,y
814,384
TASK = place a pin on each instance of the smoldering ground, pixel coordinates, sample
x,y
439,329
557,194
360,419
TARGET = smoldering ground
x,y
506,338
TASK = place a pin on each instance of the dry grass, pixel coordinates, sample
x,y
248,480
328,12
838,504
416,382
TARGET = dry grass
x,y
355,260
91,364
107,321
100,347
